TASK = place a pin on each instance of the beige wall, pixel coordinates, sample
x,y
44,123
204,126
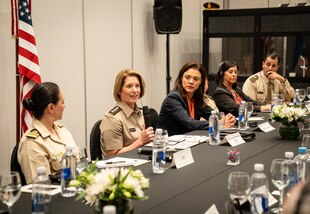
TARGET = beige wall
x,y
85,43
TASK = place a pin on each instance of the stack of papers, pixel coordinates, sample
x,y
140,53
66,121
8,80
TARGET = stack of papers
x,y
184,141
120,162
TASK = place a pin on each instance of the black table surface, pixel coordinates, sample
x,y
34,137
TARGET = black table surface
x,y
195,187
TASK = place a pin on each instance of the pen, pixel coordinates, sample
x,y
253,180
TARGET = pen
x,y
116,162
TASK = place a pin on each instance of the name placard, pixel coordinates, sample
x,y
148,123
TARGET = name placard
x,y
212,210
182,158
234,139
266,127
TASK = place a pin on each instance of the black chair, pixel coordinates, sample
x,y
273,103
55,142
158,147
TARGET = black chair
x,y
15,166
153,117
95,149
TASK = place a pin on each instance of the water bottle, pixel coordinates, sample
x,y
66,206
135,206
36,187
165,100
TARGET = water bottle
x,y
300,159
41,198
68,163
307,169
293,170
259,190
159,153
214,131
242,118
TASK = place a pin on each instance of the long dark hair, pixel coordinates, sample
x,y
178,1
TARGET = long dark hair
x,y
198,94
42,95
224,66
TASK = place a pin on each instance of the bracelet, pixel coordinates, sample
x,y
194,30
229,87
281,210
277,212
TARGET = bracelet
x,y
284,81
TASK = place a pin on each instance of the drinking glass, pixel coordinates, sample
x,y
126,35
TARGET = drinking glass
x,y
10,186
238,186
82,162
308,93
250,110
277,99
279,173
306,141
221,116
300,94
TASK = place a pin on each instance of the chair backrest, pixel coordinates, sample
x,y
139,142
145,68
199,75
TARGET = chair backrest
x,y
153,117
15,166
95,149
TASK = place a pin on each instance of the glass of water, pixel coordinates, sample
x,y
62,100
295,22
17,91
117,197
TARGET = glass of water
x,y
82,162
306,141
300,94
238,186
221,116
308,92
10,186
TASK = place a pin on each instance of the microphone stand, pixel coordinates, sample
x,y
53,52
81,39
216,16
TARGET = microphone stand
x,y
168,77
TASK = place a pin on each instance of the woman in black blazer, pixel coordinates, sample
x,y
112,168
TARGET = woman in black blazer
x,y
184,106
227,94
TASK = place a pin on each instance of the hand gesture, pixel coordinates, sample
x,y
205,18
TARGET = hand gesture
x,y
147,135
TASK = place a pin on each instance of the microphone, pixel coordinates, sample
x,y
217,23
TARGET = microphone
x,y
145,151
146,116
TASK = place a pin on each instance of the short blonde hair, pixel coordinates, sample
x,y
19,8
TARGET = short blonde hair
x,y
120,80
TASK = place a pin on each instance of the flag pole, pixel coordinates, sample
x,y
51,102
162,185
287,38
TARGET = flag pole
x,y
18,131
14,11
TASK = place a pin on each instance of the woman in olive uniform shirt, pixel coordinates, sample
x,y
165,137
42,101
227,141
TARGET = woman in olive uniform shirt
x,y
122,128
45,141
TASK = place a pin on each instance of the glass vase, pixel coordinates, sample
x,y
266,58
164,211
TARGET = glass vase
x,y
123,206
289,132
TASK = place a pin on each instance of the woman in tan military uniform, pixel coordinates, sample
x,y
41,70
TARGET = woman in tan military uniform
x,y
45,141
122,128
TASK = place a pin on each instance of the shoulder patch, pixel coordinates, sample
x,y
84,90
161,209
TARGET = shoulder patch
x,y
115,110
59,124
33,134
254,78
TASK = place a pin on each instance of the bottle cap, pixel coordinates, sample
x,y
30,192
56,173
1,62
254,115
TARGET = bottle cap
x,y
213,112
41,169
70,147
109,209
158,131
289,154
259,167
302,150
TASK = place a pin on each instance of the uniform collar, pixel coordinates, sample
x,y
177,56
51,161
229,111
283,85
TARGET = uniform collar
x,y
127,110
265,79
44,131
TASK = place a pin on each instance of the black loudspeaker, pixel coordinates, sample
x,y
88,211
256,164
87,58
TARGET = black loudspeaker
x,y
168,16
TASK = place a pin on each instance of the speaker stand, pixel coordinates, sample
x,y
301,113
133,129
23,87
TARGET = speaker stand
x,y
168,77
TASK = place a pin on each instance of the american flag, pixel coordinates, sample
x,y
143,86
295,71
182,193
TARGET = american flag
x,y
28,62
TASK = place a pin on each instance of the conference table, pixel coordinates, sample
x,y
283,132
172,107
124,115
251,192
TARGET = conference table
x,y
195,187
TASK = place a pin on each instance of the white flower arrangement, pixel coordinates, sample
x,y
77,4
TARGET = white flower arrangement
x,y
288,115
110,184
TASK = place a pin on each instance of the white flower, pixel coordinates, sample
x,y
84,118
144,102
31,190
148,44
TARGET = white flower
x,y
288,114
110,183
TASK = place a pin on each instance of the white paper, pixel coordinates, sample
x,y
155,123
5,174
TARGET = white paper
x,y
266,127
182,158
54,189
255,118
212,210
271,200
119,162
